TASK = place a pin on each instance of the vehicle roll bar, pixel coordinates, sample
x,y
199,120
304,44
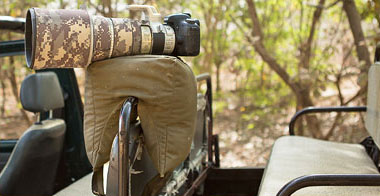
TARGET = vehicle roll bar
x,y
16,47
322,110
329,180
12,23
206,77
12,48
128,114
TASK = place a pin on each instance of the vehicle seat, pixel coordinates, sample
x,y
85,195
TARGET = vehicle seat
x,y
31,168
295,156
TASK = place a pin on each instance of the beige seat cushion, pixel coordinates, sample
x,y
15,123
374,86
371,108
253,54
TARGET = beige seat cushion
x,y
82,187
294,156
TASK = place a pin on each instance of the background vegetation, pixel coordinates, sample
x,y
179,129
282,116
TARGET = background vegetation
x,y
268,58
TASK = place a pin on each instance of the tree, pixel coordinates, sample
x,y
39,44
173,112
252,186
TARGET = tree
x,y
300,87
303,83
354,20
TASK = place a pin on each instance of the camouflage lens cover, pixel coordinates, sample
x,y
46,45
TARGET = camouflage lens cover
x,y
74,39
103,36
62,38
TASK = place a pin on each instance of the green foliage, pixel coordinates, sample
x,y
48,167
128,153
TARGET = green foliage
x,y
226,28
246,83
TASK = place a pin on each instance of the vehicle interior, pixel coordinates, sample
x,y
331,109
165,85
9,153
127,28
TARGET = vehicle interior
x,y
53,149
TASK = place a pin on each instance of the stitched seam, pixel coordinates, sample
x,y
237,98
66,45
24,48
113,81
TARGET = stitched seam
x,y
105,125
158,141
111,26
91,52
94,130
174,86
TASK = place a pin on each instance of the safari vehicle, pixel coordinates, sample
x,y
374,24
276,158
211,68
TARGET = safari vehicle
x,y
50,158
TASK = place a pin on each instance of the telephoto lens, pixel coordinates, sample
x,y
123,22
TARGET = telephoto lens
x,y
74,39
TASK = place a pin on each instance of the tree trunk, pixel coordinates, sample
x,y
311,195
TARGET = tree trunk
x,y
217,77
354,19
312,122
107,8
4,100
299,126
301,91
3,88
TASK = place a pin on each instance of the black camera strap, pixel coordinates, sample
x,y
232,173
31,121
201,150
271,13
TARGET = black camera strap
x,y
371,149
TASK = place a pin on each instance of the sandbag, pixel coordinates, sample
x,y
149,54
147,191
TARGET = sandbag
x,y
166,89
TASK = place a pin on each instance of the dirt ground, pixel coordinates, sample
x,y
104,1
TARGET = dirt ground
x,y
12,127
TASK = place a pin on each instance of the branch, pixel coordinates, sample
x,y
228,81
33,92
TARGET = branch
x,y
331,130
305,59
257,43
256,31
333,4
358,94
337,84
336,30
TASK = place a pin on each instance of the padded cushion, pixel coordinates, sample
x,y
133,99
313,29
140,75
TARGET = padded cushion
x,y
373,103
41,92
31,169
82,187
167,108
294,156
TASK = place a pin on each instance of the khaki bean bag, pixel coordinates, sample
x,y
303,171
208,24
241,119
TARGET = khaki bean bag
x,y
166,89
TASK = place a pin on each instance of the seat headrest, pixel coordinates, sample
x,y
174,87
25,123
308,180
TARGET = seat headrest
x,y
41,92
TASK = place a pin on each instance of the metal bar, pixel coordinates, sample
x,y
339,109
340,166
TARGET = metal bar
x,y
201,178
12,48
216,150
13,24
123,165
323,110
329,180
206,77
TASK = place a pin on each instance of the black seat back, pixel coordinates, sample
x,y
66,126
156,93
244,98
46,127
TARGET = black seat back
x,y
32,167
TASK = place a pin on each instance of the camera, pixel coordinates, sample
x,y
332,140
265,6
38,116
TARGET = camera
x,y
73,38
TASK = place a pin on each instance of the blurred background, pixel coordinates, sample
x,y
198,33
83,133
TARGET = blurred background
x,y
267,58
